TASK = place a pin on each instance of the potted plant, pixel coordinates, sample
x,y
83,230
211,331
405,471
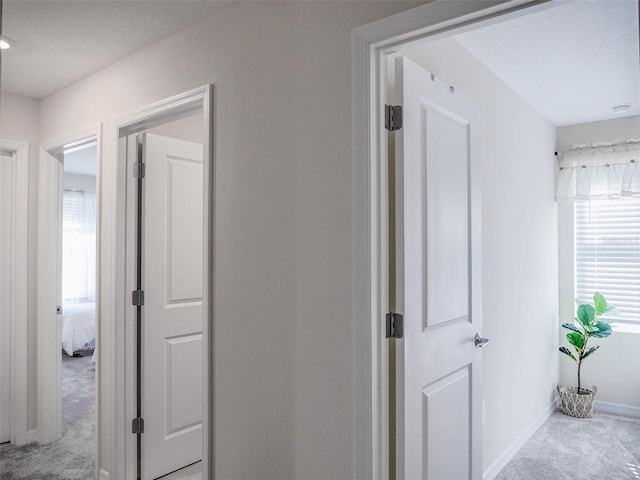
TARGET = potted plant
x,y
578,401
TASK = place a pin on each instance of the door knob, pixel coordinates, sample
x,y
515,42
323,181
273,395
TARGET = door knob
x,y
480,341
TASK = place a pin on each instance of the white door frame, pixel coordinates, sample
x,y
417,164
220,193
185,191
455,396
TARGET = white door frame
x,y
49,344
122,464
369,47
19,310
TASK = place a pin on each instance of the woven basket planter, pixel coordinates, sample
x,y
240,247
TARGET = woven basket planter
x,y
581,405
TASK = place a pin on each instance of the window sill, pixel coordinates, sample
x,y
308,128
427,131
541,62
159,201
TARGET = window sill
x,y
625,328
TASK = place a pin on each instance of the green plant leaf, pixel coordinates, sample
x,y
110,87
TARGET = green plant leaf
x,y
576,339
604,330
571,326
591,329
567,352
599,304
611,310
586,314
590,351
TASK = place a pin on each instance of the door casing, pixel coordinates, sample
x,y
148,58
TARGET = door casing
x,y
19,311
122,461
49,364
370,45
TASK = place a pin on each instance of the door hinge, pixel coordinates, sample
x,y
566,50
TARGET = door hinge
x,y
137,425
139,167
137,298
395,325
393,117
139,170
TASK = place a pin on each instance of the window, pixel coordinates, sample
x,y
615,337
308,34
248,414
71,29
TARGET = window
x,y
607,254
78,246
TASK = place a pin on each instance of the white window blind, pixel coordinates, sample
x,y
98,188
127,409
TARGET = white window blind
x,y
78,246
607,250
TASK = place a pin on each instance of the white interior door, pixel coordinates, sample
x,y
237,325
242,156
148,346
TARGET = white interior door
x,y
173,255
438,221
49,287
6,221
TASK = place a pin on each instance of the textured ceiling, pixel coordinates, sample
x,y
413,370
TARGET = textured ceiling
x,y
572,62
60,42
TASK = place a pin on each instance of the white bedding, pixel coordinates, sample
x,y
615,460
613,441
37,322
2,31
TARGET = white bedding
x,y
78,326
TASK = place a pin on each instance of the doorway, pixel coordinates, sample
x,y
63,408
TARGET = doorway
x,y
78,270
372,46
14,167
165,170
68,304
519,174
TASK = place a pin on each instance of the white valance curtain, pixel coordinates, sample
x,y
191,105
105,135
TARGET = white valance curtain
x,y
78,246
604,170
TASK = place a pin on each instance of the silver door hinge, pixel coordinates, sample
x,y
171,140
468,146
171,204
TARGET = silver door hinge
x,y
137,298
395,325
393,117
139,169
137,425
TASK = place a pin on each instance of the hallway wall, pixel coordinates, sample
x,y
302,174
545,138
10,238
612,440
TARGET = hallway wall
x,y
20,120
283,253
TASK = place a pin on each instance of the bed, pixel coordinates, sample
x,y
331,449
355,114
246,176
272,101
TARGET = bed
x,y
78,328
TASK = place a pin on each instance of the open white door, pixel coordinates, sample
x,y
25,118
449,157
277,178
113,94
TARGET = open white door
x,y
173,255
439,280
49,281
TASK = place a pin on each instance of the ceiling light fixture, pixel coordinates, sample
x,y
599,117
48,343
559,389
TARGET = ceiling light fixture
x,y
622,108
6,42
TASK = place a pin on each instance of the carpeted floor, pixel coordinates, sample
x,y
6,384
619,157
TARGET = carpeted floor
x,y
604,447
73,456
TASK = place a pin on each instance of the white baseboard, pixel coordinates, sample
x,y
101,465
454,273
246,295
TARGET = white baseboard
x,y
493,471
617,408
32,436
103,475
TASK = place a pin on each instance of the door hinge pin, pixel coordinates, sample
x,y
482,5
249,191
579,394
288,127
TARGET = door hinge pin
x,y
393,117
137,298
137,425
395,325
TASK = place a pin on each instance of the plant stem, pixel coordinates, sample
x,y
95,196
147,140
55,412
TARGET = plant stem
x,y
579,365
581,356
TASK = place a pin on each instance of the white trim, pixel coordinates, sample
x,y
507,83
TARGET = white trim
x,y
122,400
497,466
32,436
49,368
19,312
370,43
616,408
103,475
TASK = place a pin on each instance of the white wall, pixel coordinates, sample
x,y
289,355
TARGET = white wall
x,y
519,223
19,120
614,369
283,277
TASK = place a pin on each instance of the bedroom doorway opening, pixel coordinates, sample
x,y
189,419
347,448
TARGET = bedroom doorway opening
x,y
78,294
68,322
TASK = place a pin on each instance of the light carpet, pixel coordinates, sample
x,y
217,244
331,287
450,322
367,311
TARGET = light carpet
x,y
604,447
73,456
